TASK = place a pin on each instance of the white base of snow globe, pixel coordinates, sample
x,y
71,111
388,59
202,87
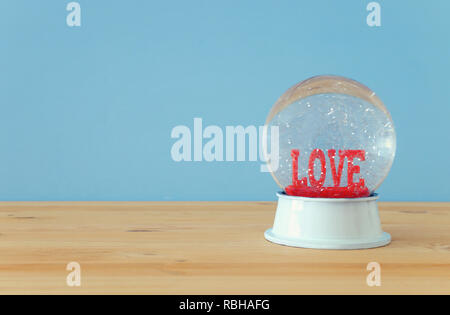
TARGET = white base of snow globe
x,y
325,223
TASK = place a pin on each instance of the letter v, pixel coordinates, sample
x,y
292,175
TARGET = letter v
x,y
336,175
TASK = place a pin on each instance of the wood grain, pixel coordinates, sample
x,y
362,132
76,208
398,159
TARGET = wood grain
x,y
209,248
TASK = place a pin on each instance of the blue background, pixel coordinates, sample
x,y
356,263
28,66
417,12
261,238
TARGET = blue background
x,y
86,113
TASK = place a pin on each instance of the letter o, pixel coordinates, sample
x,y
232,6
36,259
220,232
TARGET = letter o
x,y
317,154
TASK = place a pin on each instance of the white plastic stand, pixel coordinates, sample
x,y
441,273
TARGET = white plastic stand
x,y
325,223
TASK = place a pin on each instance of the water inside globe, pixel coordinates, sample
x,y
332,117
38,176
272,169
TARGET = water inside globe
x,y
333,145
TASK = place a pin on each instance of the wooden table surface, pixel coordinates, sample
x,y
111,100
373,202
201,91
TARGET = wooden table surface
x,y
209,248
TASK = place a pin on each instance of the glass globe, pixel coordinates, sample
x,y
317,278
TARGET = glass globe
x,y
336,139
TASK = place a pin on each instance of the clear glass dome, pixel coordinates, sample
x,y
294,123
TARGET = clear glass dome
x,y
336,139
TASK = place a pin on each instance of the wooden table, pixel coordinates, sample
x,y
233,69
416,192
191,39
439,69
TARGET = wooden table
x,y
209,248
